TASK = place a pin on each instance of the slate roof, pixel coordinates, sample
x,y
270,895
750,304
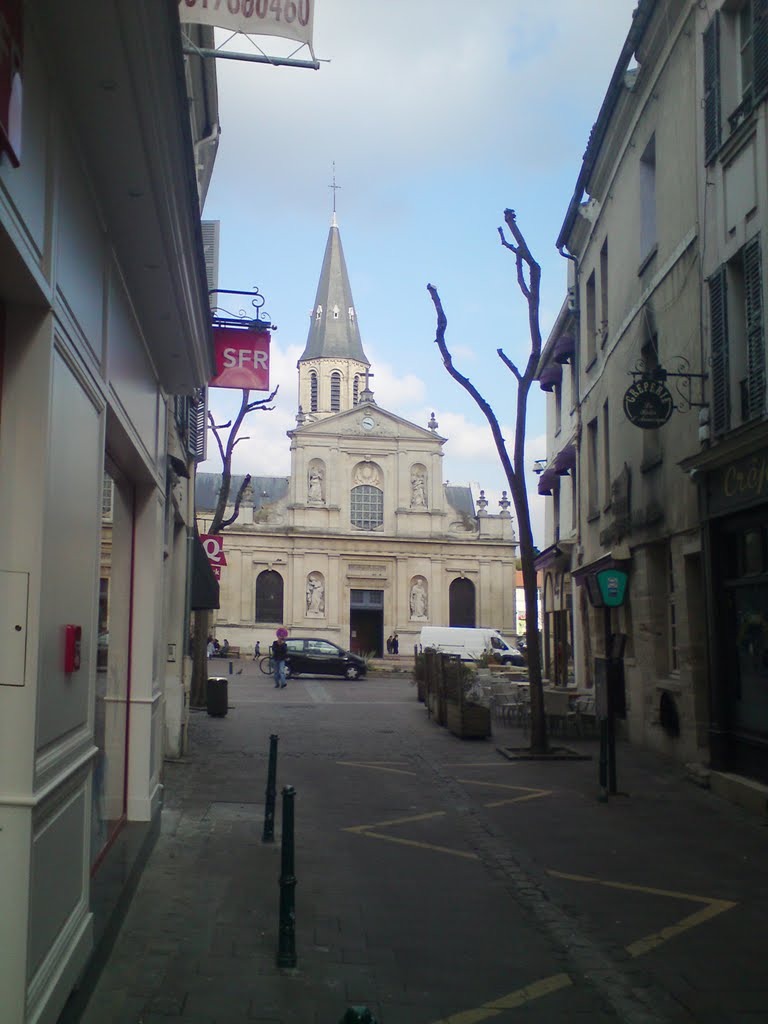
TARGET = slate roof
x,y
331,337
266,490
460,498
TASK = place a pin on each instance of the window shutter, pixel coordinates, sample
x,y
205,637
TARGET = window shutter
x,y
718,327
753,298
210,229
760,49
712,88
197,423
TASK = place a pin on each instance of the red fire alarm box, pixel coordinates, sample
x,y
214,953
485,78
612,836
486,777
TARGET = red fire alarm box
x,y
72,638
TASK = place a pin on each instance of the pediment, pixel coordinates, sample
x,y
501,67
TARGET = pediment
x,y
367,420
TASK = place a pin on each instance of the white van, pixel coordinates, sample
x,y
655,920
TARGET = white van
x,y
470,644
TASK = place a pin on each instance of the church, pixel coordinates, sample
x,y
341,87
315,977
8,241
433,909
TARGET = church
x,y
363,540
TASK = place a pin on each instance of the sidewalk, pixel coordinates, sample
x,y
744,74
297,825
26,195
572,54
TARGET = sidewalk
x,y
437,881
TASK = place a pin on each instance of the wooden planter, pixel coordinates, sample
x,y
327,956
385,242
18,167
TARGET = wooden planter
x,y
468,721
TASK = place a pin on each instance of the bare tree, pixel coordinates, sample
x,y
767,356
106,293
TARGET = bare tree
x,y
528,280
226,444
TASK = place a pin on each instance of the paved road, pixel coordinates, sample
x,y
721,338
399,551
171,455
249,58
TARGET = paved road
x,y
438,882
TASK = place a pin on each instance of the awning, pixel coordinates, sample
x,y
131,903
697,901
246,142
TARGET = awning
x,y
204,587
618,558
565,346
565,460
546,480
551,374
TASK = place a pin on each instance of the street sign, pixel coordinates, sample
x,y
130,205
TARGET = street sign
x,y
242,358
648,404
613,586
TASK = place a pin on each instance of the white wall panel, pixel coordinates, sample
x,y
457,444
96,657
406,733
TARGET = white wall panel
x,y
71,552
80,251
56,889
131,374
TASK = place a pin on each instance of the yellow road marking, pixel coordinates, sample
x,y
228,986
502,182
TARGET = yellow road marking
x,y
527,791
379,766
536,990
422,846
644,945
395,821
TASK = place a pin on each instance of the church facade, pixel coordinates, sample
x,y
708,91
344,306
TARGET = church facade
x,y
364,539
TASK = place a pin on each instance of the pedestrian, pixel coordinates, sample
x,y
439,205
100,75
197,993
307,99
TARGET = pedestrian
x,y
389,644
209,648
279,657
256,650
224,649
395,644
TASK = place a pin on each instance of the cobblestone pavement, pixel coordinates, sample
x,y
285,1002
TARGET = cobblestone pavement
x,y
438,882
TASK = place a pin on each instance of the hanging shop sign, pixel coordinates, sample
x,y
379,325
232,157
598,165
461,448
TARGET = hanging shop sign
x,y
612,584
213,545
289,19
242,358
648,404
11,36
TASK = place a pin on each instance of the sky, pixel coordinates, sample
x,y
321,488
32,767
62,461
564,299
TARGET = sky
x,y
438,115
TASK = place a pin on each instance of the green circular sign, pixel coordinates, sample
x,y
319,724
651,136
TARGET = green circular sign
x,y
648,404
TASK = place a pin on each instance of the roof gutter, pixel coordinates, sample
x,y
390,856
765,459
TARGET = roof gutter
x,y
640,18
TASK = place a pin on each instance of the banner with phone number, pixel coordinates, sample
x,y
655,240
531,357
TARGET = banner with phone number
x,y
291,19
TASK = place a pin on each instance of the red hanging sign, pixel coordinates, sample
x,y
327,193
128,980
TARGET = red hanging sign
x,y
242,359
213,545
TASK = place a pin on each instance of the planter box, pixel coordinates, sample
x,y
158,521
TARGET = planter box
x,y
470,721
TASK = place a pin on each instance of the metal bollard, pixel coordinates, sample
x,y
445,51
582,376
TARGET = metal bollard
x,y
268,835
286,945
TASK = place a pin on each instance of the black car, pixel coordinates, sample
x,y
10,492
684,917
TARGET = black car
x,y
312,656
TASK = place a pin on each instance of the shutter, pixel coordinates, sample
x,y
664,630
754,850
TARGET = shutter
x,y
712,88
759,49
753,299
718,327
210,230
198,416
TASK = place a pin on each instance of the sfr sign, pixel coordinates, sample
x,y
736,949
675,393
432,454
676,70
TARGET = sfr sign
x,y
242,359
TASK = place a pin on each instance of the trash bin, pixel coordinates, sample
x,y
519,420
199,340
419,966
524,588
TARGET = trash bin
x,y
217,697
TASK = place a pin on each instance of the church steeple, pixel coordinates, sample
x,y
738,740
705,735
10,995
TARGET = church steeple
x,y
333,366
333,327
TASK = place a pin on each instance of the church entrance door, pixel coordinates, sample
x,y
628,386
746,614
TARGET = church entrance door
x,y
366,622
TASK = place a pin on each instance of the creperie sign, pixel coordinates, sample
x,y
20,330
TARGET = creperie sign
x,y
242,359
213,545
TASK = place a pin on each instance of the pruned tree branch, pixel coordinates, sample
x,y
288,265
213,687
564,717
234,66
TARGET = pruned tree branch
x,y
514,468
238,498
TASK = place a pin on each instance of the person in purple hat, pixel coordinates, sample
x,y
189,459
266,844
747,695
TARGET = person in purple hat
x,y
280,656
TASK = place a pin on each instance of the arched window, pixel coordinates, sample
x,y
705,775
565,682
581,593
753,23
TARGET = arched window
x,y
313,391
335,391
355,390
461,603
269,596
366,509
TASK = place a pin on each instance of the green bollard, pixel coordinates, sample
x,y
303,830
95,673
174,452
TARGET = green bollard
x,y
268,835
358,1015
286,943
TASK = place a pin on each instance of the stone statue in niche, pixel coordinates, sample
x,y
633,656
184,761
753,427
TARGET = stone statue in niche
x,y
315,594
418,598
418,488
315,485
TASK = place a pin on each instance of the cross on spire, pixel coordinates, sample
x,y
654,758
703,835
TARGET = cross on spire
x,y
334,186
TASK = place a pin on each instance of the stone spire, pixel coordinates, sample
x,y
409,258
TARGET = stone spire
x,y
333,328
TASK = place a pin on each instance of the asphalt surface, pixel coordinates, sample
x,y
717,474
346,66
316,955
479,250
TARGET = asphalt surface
x,y
438,882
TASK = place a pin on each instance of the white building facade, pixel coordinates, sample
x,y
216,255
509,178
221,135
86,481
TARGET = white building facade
x,y
104,320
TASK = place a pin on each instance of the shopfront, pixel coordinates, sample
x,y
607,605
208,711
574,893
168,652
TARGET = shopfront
x,y
735,499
